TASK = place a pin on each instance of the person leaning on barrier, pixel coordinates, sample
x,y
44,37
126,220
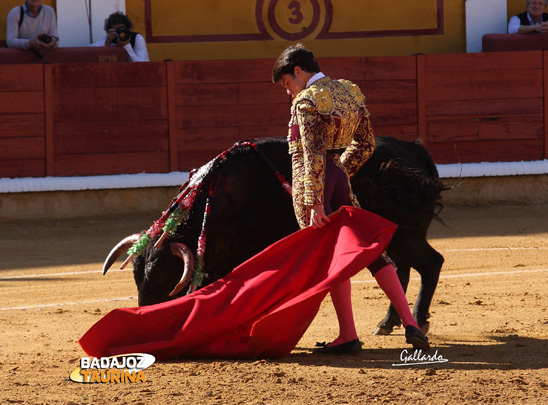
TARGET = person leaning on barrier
x,y
32,26
119,32
534,19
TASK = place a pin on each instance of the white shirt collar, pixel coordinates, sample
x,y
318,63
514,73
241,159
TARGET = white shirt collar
x,y
317,76
531,21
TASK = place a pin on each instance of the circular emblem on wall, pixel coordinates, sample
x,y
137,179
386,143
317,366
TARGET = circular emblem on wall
x,y
291,20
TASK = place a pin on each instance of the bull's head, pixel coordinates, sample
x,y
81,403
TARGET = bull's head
x,y
163,268
155,286
250,209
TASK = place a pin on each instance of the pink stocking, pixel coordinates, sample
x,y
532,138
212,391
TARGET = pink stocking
x,y
390,284
341,295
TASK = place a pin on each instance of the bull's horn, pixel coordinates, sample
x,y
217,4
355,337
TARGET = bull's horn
x,y
120,248
182,251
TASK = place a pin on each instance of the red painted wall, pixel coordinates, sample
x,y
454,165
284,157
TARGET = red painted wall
x,y
107,118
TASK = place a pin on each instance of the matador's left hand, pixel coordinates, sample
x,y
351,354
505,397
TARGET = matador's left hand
x,y
318,218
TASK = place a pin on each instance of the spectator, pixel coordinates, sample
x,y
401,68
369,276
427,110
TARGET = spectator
x,y
534,19
32,26
118,33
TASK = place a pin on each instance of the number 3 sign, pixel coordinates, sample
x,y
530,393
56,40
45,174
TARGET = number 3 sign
x,y
291,19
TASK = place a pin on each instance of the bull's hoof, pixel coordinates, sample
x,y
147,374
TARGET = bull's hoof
x,y
386,326
381,331
425,327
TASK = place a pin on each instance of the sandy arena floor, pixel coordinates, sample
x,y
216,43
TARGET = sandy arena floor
x,y
489,320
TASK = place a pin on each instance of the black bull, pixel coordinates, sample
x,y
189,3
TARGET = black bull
x,y
249,210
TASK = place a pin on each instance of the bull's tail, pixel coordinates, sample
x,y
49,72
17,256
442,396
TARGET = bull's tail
x,y
434,179
398,190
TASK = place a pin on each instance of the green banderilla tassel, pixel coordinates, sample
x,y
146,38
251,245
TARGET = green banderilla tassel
x,y
174,220
198,275
139,246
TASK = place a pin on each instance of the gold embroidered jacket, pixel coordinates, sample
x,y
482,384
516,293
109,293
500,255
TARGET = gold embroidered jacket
x,y
327,116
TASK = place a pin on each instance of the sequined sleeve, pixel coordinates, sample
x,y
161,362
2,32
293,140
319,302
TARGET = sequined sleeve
x,y
361,148
313,143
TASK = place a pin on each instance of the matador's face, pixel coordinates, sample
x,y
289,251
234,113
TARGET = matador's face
x,y
294,83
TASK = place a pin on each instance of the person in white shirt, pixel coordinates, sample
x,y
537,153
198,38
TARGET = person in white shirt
x,y
32,26
534,19
118,33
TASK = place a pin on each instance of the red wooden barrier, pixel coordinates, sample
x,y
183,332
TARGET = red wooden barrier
x,y
95,119
514,42
221,102
110,118
10,56
22,121
485,107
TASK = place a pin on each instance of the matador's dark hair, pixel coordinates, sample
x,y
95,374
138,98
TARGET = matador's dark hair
x,y
294,55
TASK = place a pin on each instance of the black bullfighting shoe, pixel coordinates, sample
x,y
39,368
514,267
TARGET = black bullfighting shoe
x,y
352,347
415,337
